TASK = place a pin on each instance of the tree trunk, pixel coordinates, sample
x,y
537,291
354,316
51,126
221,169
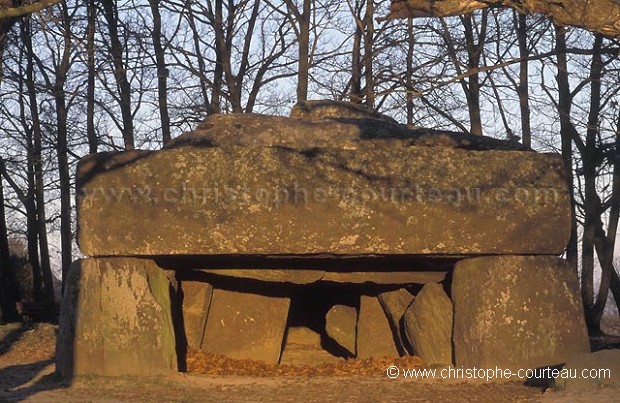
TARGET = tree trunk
x,y
212,106
46,271
355,95
409,71
567,134
91,134
607,241
244,64
304,52
474,51
120,72
8,288
369,34
162,71
523,87
27,197
32,225
223,48
591,199
66,234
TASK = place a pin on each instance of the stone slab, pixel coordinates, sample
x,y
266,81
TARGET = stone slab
x,y
395,304
378,199
516,312
196,301
271,275
428,325
341,326
116,319
294,276
374,334
393,277
246,326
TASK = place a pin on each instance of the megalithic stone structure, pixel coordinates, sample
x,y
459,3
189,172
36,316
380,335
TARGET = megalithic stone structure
x,y
279,220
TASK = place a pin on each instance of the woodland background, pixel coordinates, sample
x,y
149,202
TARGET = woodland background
x,y
85,76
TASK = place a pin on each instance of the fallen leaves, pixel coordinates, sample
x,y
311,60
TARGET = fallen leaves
x,y
200,362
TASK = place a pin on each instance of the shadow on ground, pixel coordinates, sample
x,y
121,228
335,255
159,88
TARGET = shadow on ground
x,y
26,377
11,335
18,382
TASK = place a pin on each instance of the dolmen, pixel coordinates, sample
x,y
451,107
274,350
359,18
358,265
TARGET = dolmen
x,y
336,226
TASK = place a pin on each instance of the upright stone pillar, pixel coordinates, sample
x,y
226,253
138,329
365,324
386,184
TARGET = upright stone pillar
x,y
516,312
116,319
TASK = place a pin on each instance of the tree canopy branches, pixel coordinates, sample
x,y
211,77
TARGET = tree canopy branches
x,y
601,16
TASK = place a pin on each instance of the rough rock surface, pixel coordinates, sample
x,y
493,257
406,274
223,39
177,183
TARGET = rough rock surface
x,y
590,371
346,133
303,347
388,277
196,301
246,326
273,200
116,319
428,325
271,275
394,304
328,109
516,312
341,326
294,276
374,335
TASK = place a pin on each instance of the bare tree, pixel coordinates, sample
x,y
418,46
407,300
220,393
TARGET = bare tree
x,y
91,133
37,161
162,71
8,311
110,13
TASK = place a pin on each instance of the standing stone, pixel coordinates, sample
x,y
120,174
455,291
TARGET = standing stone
x,y
374,335
116,319
428,325
246,326
196,301
517,312
394,304
341,324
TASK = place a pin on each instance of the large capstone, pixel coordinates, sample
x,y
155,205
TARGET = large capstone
x,y
384,197
516,312
116,319
345,128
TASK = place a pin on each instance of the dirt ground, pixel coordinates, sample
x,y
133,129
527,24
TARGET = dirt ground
x,y
27,374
